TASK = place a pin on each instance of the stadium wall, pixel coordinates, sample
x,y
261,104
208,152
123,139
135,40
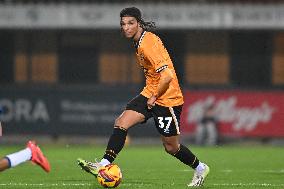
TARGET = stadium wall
x,y
64,110
92,111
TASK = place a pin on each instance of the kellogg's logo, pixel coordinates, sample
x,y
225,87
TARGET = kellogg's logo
x,y
227,111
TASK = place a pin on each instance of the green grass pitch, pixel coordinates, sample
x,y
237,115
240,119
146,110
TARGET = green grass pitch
x,y
150,167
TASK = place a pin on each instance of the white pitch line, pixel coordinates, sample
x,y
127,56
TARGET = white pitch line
x,y
45,184
125,184
273,171
229,171
249,184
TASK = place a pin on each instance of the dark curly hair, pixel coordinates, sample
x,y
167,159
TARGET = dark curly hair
x,y
136,13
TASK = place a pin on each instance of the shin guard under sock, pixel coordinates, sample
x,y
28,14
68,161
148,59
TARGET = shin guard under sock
x,y
115,143
186,156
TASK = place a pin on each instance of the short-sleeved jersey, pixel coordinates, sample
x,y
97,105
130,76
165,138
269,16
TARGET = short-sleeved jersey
x,y
153,57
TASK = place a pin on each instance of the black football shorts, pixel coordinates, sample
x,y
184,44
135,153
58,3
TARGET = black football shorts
x,y
167,119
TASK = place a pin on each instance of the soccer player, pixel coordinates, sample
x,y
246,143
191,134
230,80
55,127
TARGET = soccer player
x,y
31,153
161,99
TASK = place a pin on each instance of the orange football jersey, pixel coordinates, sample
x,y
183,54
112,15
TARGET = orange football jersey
x,y
153,57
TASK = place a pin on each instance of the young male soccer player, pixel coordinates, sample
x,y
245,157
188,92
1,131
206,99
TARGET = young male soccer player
x,y
31,153
161,99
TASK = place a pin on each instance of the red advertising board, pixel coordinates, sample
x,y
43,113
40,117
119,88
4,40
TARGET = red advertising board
x,y
239,113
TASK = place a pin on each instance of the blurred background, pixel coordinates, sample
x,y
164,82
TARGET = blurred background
x,y
66,72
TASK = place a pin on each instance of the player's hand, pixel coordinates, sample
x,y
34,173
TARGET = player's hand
x,y
151,102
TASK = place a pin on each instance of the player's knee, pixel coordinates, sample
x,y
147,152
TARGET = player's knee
x,y
170,148
119,123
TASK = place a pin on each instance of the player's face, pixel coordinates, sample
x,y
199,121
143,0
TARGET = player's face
x,y
129,26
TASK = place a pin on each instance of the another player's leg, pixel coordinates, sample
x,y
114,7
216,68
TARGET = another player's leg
x,y
32,152
116,141
4,164
38,157
14,159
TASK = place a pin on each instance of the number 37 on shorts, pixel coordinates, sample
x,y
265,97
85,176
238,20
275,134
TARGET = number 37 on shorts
x,y
167,120
164,123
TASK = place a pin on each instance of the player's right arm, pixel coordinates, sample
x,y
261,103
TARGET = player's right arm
x,y
166,77
159,59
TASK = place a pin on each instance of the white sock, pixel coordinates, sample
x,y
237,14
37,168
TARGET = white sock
x,y
200,167
20,157
104,162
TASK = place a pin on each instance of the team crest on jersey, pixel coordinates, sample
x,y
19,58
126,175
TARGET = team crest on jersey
x,y
141,56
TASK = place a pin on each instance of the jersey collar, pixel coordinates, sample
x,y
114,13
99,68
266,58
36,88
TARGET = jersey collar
x,y
140,40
